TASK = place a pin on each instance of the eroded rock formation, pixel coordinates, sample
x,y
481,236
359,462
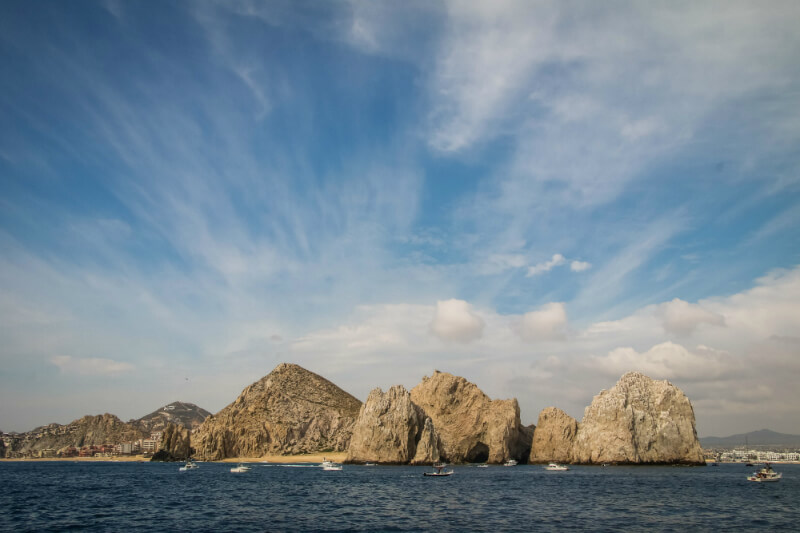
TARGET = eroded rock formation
x,y
553,437
471,426
289,411
175,441
391,429
638,421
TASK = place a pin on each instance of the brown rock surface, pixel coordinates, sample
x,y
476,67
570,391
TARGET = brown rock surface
x,y
389,428
639,420
472,427
554,437
175,440
289,411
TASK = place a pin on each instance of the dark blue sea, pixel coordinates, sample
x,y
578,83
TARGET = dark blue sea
x,y
67,496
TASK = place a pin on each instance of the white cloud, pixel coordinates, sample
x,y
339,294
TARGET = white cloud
x,y
541,268
682,318
547,323
454,320
666,361
580,266
90,366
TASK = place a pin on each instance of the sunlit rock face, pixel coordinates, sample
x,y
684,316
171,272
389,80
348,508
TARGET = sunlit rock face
x,y
289,411
471,426
554,437
638,421
392,430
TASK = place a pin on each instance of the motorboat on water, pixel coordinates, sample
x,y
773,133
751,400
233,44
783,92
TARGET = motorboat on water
x,y
190,465
370,464
438,471
240,468
766,474
332,466
483,465
555,467
510,462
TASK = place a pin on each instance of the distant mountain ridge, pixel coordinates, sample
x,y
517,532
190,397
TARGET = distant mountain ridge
x,y
762,437
183,414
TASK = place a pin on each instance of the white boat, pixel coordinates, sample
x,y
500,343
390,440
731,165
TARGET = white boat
x,y
510,462
483,465
240,468
331,466
370,464
764,475
556,467
190,465
438,471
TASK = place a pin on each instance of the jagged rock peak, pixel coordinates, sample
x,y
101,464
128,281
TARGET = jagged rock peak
x,y
181,413
639,420
471,426
291,410
553,437
391,429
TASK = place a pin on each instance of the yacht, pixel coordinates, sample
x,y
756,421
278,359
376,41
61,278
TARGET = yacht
x,y
190,465
510,462
240,468
555,467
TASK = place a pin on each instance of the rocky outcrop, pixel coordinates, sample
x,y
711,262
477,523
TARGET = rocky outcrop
x,y
471,426
87,431
638,421
392,430
175,440
289,411
553,437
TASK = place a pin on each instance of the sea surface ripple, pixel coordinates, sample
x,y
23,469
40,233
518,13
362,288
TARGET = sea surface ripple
x,y
109,496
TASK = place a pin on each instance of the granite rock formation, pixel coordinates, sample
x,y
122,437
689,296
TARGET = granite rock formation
x,y
289,411
176,441
553,437
471,426
638,421
392,430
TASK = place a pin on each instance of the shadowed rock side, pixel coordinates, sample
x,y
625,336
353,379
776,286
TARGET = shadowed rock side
x,y
471,426
290,411
553,437
175,441
638,421
391,429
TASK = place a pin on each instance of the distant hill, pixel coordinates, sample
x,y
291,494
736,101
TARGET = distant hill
x,y
762,437
181,413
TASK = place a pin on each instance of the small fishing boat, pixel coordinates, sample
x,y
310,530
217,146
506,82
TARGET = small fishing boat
x,y
510,462
332,466
240,468
555,467
438,471
764,475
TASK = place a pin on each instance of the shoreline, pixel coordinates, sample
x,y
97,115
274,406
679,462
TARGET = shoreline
x,y
336,457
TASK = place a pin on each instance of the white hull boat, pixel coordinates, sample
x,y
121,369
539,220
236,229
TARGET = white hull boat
x,y
553,467
510,462
765,475
239,469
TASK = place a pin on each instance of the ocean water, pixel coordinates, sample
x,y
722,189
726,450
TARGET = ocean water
x,y
67,496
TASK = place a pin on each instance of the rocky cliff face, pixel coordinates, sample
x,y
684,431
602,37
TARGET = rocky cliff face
x,y
553,437
638,421
390,429
175,440
290,411
472,427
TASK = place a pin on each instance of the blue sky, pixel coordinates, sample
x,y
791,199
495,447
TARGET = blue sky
x,y
538,196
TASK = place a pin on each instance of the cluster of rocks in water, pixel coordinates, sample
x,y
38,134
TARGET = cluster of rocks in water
x,y
447,418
